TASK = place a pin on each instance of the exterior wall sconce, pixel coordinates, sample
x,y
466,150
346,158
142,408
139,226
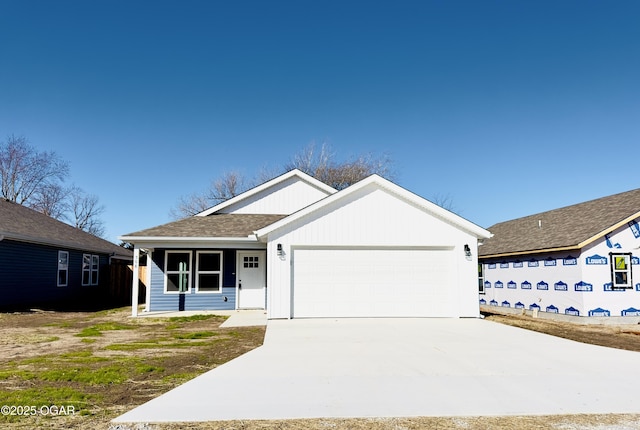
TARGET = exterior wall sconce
x,y
280,251
467,251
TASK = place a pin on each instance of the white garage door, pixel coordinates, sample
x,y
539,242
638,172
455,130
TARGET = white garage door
x,y
372,283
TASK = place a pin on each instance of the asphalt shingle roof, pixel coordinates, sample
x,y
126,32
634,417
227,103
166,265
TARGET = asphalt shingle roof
x,y
22,223
561,228
216,225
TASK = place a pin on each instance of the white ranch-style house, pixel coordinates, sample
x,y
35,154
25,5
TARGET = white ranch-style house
x,y
298,248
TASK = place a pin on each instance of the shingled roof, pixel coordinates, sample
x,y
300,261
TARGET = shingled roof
x,y
217,225
21,223
570,227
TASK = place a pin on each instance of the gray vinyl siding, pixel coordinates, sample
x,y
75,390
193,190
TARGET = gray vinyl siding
x,y
161,301
29,275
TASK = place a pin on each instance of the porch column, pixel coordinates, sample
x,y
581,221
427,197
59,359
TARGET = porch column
x,y
134,286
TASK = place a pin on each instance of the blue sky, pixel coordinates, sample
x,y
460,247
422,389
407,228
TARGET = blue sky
x,y
508,107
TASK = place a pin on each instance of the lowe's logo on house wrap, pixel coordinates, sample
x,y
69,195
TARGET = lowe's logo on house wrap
x,y
569,261
526,285
498,284
635,260
512,285
560,286
506,304
532,263
491,266
550,262
599,312
631,312
572,311
517,264
534,306
596,260
635,228
487,284
552,309
583,286
542,285
519,305
483,302
609,287
493,303
504,265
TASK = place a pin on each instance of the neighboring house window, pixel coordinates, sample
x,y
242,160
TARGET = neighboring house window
x,y
621,270
480,278
90,269
63,268
177,268
208,272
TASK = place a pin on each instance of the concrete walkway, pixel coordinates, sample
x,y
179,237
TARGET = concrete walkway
x,y
239,318
402,368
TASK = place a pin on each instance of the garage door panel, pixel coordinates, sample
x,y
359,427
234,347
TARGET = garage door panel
x,y
371,282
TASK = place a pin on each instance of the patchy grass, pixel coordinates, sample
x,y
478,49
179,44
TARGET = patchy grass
x,y
101,373
195,335
97,329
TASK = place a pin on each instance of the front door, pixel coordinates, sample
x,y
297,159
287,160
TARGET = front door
x,y
251,280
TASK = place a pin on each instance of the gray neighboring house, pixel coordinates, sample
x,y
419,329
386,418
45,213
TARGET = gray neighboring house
x,y
47,263
581,260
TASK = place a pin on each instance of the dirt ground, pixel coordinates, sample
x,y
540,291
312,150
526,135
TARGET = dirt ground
x,y
41,351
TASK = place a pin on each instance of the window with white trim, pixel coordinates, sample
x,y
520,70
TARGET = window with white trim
x,y
480,278
90,269
63,268
209,272
621,270
177,266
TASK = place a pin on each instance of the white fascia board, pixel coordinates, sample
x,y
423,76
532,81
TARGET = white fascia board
x,y
438,211
295,172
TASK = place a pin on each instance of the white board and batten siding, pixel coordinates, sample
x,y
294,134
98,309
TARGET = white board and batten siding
x,y
371,254
283,198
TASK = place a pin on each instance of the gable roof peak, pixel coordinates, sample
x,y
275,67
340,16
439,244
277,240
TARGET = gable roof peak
x,y
268,184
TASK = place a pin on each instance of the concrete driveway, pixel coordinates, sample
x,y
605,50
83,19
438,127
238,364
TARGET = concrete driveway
x,y
402,368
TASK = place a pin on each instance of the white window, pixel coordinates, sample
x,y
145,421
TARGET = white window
x,y
90,269
208,272
177,266
621,270
63,268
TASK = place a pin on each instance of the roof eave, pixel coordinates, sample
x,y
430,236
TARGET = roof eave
x,y
59,243
151,239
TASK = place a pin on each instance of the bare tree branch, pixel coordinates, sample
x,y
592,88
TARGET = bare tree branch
x,y
51,200
25,172
85,210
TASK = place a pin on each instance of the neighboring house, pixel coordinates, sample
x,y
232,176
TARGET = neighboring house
x,y
45,262
580,260
298,248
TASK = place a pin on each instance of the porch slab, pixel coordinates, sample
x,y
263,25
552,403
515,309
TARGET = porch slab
x,y
237,318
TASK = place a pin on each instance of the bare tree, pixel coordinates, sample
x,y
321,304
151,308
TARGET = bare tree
x,y
322,165
26,172
445,201
229,185
85,211
51,200
319,162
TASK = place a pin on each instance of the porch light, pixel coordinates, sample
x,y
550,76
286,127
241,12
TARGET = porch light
x,y
467,251
280,251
